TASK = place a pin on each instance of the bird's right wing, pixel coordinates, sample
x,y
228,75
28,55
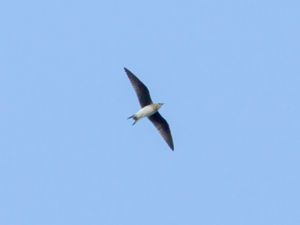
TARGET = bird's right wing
x,y
141,90
163,127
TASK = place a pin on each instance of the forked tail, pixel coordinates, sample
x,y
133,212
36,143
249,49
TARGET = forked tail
x,y
134,118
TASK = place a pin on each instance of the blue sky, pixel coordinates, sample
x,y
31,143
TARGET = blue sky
x,y
228,73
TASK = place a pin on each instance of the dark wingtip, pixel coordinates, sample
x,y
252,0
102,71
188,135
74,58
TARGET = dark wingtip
x,y
128,72
171,145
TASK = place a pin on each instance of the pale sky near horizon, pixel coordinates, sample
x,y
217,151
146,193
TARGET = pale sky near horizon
x,y
228,73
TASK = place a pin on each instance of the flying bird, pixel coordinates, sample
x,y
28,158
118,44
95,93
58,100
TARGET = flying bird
x,y
149,109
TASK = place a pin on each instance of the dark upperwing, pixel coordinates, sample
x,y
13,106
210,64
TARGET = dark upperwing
x,y
163,127
141,90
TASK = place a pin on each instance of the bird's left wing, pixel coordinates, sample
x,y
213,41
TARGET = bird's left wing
x,y
141,90
163,127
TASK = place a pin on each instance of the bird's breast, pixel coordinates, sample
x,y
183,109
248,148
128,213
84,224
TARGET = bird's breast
x,y
146,111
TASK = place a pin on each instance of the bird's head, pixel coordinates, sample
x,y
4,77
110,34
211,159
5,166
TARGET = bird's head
x,y
160,104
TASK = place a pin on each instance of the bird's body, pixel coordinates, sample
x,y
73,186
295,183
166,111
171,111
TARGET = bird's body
x,y
146,111
149,109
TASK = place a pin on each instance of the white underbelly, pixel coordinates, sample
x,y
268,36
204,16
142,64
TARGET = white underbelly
x,y
146,111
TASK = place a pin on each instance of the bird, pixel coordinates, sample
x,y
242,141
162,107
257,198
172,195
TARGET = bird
x,y
149,109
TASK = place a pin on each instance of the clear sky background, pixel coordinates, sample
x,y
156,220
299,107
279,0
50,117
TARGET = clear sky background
x,y
228,73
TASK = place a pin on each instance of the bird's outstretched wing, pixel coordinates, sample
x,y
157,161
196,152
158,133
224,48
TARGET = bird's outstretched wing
x,y
163,127
141,90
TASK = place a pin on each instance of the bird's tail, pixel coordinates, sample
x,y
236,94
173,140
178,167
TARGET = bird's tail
x,y
134,118
130,117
